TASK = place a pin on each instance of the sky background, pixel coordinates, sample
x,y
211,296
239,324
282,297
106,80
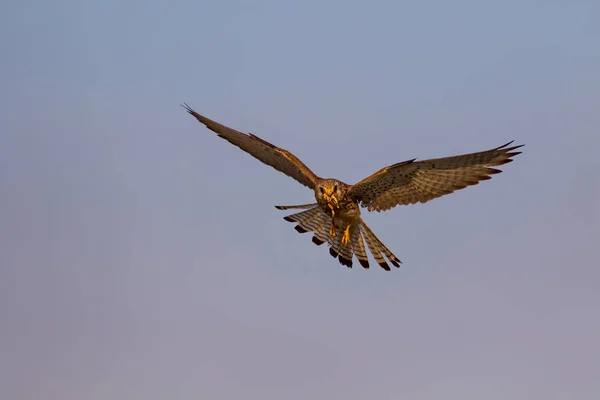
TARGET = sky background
x,y
141,256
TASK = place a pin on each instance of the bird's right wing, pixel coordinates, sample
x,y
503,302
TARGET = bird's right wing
x,y
278,158
413,181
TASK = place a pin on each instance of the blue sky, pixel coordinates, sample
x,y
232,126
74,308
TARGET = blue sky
x,y
141,256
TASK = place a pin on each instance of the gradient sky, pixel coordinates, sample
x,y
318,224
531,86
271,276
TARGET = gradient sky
x,y
141,256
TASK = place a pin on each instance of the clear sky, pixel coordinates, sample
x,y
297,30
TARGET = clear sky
x,y
141,256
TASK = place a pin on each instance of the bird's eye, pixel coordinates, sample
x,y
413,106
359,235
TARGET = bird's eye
x,y
322,189
335,188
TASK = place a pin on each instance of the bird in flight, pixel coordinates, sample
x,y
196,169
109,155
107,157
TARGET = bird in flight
x,y
335,216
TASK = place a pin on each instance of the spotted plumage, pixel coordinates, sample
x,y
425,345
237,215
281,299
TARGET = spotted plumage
x,y
335,216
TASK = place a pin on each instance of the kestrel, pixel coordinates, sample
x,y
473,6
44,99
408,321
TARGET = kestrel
x,y
335,217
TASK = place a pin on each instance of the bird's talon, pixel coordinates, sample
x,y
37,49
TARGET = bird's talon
x,y
346,236
332,233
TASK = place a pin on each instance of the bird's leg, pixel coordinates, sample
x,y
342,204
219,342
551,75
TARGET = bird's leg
x,y
332,233
346,236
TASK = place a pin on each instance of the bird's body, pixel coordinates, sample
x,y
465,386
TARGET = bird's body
x,y
332,198
335,216
335,219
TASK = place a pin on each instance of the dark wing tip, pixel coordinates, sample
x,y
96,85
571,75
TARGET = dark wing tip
x,y
187,107
364,263
279,207
504,145
505,149
396,263
504,155
403,163
333,253
288,219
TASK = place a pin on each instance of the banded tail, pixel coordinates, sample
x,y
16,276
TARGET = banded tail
x,y
313,219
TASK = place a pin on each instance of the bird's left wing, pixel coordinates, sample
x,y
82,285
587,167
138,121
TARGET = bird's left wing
x,y
413,181
278,158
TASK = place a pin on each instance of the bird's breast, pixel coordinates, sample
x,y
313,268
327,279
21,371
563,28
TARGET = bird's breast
x,y
344,209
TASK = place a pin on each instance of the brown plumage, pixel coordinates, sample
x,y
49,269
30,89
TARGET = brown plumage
x,y
413,181
280,159
335,217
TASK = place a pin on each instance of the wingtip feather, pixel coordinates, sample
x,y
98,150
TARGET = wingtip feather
x,y
187,107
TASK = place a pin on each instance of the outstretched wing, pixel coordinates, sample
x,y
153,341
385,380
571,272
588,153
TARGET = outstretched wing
x,y
280,159
413,181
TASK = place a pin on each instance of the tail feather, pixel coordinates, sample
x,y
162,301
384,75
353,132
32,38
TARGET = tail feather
x,y
315,220
334,248
378,249
322,231
312,220
375,252
308,222
358,247
338,250
301,215
334,244
345,257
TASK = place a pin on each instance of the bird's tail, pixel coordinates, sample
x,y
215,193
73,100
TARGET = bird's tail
x,y
315,220
378,249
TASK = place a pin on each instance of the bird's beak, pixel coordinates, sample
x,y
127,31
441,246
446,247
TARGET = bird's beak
x,y
330,197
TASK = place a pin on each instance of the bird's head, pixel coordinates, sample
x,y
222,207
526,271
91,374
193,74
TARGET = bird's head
x,y
329,191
